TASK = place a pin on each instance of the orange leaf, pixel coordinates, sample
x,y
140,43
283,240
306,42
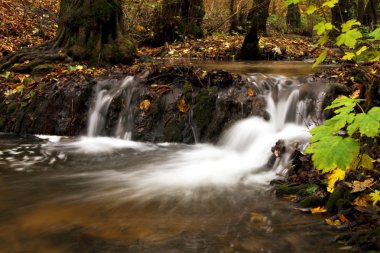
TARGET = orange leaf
x,y
182,105
145,105
362,201
250,92
318,210
343,219
333,223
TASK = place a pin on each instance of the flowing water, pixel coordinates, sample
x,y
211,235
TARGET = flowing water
x,y
111,194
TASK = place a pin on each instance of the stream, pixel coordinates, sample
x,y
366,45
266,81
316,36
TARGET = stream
x,y
112,194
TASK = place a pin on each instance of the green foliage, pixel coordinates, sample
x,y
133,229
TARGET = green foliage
x,y
331,149
323,27
349,38
321,58
375,34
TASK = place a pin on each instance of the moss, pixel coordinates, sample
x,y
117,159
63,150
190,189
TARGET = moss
x,y
173,131
187,90
204,109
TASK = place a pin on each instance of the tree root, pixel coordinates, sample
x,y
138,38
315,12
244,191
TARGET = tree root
x,y
26,59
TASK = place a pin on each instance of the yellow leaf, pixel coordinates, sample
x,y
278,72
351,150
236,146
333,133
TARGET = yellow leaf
x,y
250,92
375,197
140,28
145,105
335,176
355,94
258,217
362,200
358,186
348,56
182,105
333,223
290,197
318,210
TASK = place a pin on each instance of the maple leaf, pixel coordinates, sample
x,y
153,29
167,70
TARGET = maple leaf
x,y
318,210
375,34
332,152
330,3
322,27
335,176
358,186
364,161
349,24
366,124
311,9
375,197
349,38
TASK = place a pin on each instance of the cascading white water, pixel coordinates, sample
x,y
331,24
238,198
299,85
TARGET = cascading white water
x,y
241,156
99,111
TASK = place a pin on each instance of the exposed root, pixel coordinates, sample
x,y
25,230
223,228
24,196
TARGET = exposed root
x,y
26,59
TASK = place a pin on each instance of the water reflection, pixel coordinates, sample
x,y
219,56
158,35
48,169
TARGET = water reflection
x,y
59,207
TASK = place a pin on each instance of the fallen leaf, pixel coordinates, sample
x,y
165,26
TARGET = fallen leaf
x,y
335,176
362,201
318,210
145,105
358,186
333,222
343,219
182,105
250,92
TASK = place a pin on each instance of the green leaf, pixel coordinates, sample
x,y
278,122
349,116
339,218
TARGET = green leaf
x,y
311,9
349,38
361,50
349,24
323,40
289,2
5,74
333,152
375,196
375,34
364,161
322,27
320,58
330,3
312,188
343,101
348,56
375,113
366,124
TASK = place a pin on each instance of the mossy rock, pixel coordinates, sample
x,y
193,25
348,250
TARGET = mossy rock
x,y
173,130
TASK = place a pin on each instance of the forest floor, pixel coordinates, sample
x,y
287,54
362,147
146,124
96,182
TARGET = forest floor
x,y
27,23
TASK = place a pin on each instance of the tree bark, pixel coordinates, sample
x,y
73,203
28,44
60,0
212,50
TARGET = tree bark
x,y
259,15
370,16
234,19
250,49
361,10
340,13
93,30
177,19
293,16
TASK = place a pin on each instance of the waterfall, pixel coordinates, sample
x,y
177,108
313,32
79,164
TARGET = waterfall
x,y
105,93
242,156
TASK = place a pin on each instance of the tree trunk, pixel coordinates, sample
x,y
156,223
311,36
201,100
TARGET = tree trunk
x,y
360,10
177,19
259,15
250,49
92,30
340,13
293,17
234,19
370,16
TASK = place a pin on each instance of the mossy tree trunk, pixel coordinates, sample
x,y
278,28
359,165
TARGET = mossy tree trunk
x,y
177,19
93,30
293,17
88,30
